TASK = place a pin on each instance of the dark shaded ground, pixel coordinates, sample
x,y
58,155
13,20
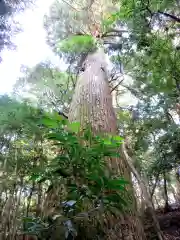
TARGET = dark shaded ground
x,y
169,223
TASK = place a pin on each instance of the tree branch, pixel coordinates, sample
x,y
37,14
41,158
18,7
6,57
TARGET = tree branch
x,y
59,112
114,33
176,19
71,6
62,114
116,85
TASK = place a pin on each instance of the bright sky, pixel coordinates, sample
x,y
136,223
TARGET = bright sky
x,y
31,45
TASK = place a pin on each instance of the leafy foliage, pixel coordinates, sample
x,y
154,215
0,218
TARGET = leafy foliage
x,y
78,44
43,149
80,166
48,87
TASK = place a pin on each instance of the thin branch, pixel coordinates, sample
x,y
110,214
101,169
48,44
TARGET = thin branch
x,y
116,85
133,91
114,33
113,78
71,6
87,214
176,19
59,112
62,114
89,5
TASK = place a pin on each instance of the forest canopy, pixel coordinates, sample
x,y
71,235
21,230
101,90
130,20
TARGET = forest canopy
x,y
91,151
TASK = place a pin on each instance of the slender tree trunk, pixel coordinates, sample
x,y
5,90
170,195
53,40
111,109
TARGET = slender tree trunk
x,y
10,205
143,204
6,215
29,199
155,185
14,217
178,183
166,206
173,192
92,104
39,197
146,194
156,201
51,201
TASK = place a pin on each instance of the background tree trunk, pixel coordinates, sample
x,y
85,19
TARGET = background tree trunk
x,y
147,197
166,206
178,183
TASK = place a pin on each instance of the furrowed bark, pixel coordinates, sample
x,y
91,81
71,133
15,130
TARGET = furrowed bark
x,y
92,105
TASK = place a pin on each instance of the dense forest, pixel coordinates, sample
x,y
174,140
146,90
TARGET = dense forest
x,y
90,150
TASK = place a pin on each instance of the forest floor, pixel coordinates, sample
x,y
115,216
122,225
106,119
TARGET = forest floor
x,y
169,223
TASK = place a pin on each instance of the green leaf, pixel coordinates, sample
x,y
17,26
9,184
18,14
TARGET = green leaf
x,y
107,142
120,181
34,177
111,139
117,138
74,127
57,136
49,122
28,219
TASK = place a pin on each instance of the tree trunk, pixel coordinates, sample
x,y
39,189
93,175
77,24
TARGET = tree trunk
x,y
29,199
92,104
146,194
15,214
155,185
39,198
156,202
178,183
166,206
6,216
171,187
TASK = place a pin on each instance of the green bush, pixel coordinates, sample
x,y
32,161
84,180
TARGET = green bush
x,y
91,189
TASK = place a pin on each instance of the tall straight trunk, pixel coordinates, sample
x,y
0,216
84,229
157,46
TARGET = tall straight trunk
x,y
6,215
15,214
173,192
29,199
39,197
156,201
166,206
9,208
92,104
155,185
178,183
